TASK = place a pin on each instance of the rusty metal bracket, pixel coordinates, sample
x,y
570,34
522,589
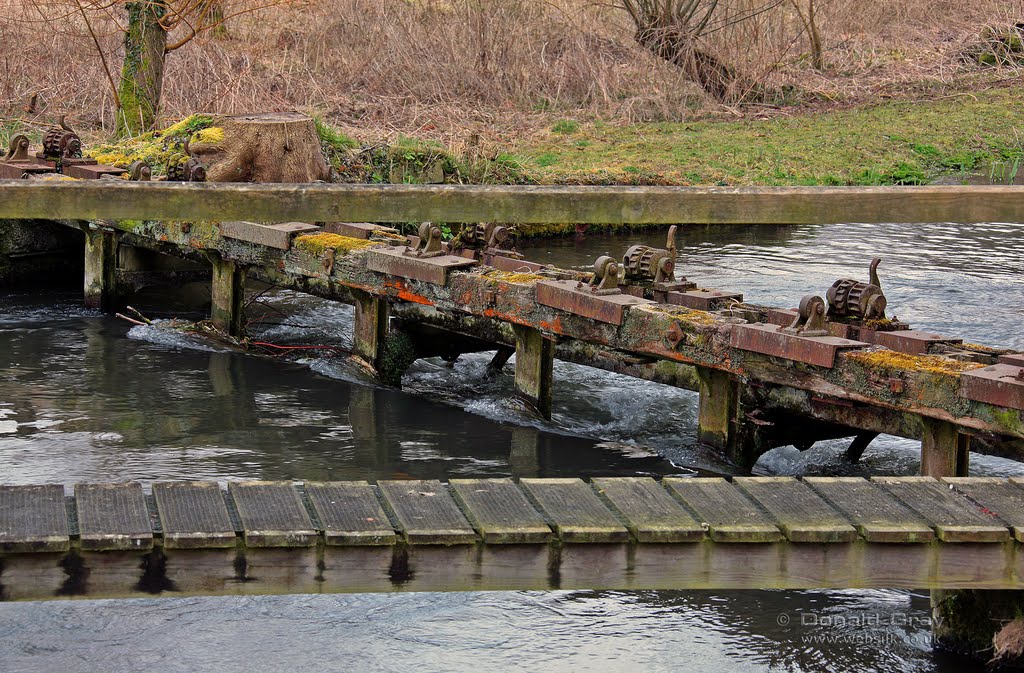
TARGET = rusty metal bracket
x,y
810,320
606,277
429,244
852,299
18,150
185,166
140,171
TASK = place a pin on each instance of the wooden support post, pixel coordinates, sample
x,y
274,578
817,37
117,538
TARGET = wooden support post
x,y
717,414
962,621
535,359
524,453
371,328
101,270
944,449
227,293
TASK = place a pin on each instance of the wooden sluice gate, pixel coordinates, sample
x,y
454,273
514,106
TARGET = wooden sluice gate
x,y
191,538
834,367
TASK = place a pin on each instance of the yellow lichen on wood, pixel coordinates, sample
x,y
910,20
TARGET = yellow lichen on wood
x,y
212,135
512,277
887,360
317,244
690,315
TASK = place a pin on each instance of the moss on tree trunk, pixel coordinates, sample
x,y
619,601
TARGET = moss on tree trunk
x,y
142,73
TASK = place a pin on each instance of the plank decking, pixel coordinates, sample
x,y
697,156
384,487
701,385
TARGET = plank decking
x,y
189,538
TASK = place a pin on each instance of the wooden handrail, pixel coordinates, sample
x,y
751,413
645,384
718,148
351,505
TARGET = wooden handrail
x,y
84,200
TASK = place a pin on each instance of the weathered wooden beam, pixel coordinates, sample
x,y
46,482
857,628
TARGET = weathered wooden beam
x,y
944,449
101,269
371,328
227,296
22,199
535,357
474,535
718,411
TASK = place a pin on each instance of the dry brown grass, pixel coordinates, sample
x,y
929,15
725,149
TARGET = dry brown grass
x,y
445,68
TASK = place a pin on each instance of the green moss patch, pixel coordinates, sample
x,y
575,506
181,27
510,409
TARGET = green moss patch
x,y
156,147
894,143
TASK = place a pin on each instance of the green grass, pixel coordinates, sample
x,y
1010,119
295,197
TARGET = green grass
x,y
891,143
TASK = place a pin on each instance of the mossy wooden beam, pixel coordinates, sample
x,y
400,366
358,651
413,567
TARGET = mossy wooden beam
x,y
23,199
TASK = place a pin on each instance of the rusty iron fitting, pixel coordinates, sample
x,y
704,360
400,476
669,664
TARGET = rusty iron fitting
x,y
140,171
606,276
642,263
853,299
810,320
18,150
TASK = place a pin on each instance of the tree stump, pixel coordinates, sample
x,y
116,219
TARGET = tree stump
x,y
267,147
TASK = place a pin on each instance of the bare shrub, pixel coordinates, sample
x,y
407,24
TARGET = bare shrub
x,y
446,68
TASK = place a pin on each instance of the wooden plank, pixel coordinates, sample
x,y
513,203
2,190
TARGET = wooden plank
x,y
575,511
272,514
33,519
876,515
426,512
350,513
1002,498
193,515
651,514
192,201
113,517
952,516
728,514
500,512
799,512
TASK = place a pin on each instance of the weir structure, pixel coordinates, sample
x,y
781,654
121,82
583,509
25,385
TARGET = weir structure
x,y
766,377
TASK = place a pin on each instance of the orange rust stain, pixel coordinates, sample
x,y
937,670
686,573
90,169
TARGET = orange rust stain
x,y
405,294
553,326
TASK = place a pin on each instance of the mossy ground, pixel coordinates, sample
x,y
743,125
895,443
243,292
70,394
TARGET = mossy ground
x,y
891,143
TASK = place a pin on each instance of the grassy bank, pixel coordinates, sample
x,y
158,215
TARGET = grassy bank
x,y
892,143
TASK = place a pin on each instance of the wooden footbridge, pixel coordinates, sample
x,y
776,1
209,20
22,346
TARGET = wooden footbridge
x,y
767,377
190,538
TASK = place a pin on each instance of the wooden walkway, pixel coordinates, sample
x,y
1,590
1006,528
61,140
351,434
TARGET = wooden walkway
x,y
188,538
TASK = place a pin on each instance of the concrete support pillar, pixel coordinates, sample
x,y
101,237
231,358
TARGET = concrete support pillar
x,y
101,270
535,359
371,328
227,293
944,449
717,413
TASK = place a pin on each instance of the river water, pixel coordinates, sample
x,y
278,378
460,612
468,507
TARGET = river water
x,y
88,397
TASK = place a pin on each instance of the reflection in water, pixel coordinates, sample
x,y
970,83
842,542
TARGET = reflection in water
x,y
82,397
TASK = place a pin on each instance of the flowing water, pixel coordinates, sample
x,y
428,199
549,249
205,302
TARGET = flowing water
x,y
87,397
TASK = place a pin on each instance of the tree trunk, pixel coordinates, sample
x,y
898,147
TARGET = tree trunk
x,y
717,78
270,147
142,73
